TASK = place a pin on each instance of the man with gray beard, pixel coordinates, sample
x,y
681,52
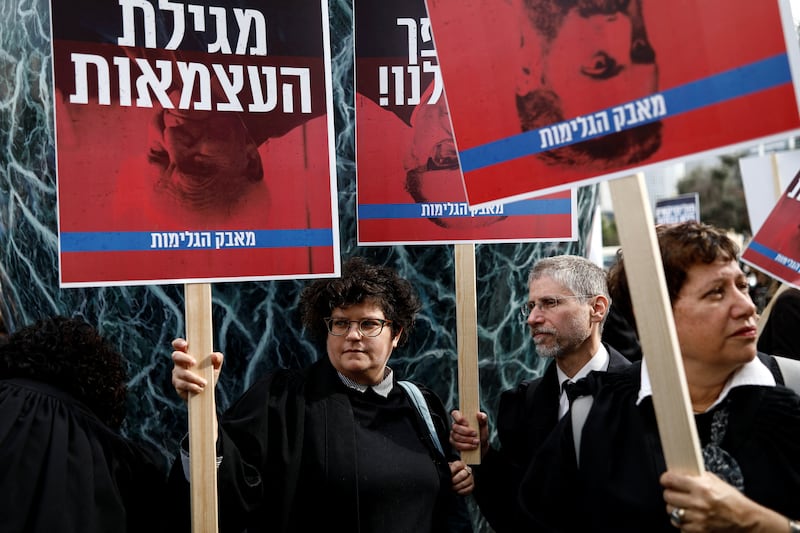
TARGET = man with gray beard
x,y
567,307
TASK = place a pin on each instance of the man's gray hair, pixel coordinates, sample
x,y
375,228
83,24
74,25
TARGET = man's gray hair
x,y
577,274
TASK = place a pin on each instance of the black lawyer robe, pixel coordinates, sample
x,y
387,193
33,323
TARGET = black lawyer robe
x,y
63,470
621,459
286,429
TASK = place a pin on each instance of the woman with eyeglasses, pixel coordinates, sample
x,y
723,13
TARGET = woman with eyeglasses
x,y
747,423
340,445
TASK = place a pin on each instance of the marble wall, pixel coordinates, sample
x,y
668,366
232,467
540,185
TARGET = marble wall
x,y
255,323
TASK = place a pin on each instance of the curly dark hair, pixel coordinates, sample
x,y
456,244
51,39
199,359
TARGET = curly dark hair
x,y
360,282
682,246
69,353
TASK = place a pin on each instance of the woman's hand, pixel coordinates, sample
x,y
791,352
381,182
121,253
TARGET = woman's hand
x,y
706,503
185,378
461,474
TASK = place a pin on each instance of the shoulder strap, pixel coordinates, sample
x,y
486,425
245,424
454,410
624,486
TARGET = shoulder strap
x,y
790,369
419,402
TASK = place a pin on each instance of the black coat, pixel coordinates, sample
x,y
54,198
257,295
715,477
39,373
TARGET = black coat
x,y
290,458
780,334
617,488
63,470
526,415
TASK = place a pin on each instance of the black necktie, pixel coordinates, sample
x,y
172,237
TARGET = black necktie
x,y
576,389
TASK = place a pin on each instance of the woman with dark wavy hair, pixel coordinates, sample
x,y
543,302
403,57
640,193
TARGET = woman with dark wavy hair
x,y
63,464
341,445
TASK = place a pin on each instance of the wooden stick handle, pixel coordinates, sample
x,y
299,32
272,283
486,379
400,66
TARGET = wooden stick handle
x,y
202,411
655,324
467,338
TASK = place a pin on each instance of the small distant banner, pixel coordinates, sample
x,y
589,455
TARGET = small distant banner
x,y
546,95
194,141
775,248
682,208
409,182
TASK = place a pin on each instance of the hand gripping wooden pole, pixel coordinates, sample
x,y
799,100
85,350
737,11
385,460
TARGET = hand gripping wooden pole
x,y
467,339
655,323
202,411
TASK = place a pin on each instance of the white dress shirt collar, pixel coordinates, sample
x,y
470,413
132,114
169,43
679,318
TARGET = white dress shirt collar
x,y
753,373
381,389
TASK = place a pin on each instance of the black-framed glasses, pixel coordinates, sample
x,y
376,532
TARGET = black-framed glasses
x,y
368,327
547,303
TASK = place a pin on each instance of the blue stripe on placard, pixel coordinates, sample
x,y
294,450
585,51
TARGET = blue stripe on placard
x,y
772,255
748,79
763,250
560,206
146,241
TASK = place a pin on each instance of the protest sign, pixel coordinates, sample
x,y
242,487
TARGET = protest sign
x,y
193,142
542,98
410,187
775,248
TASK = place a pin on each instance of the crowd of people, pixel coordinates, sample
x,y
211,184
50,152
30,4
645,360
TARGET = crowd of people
x,y
373,452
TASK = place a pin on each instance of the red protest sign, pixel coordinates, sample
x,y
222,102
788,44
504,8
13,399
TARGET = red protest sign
x,y
410,187
775,248
543,98
194,143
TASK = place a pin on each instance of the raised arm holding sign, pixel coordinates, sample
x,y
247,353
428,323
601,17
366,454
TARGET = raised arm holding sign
x,y
344,432
567,306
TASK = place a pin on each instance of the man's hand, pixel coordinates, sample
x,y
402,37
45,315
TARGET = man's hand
x,y
464,438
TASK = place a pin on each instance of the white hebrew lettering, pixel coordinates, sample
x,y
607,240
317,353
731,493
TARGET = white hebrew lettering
x,y
267,99
415,84
129,23
247,18
189,74
81,62
303,76
252,26
231,86
221,44
179,27
411,26
159,85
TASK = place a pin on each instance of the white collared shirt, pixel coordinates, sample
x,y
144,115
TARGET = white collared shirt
x,y
381,389
753,373
599,361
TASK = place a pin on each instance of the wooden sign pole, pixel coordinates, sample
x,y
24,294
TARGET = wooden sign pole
x,y
655,324
776,177
202,411
467,339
